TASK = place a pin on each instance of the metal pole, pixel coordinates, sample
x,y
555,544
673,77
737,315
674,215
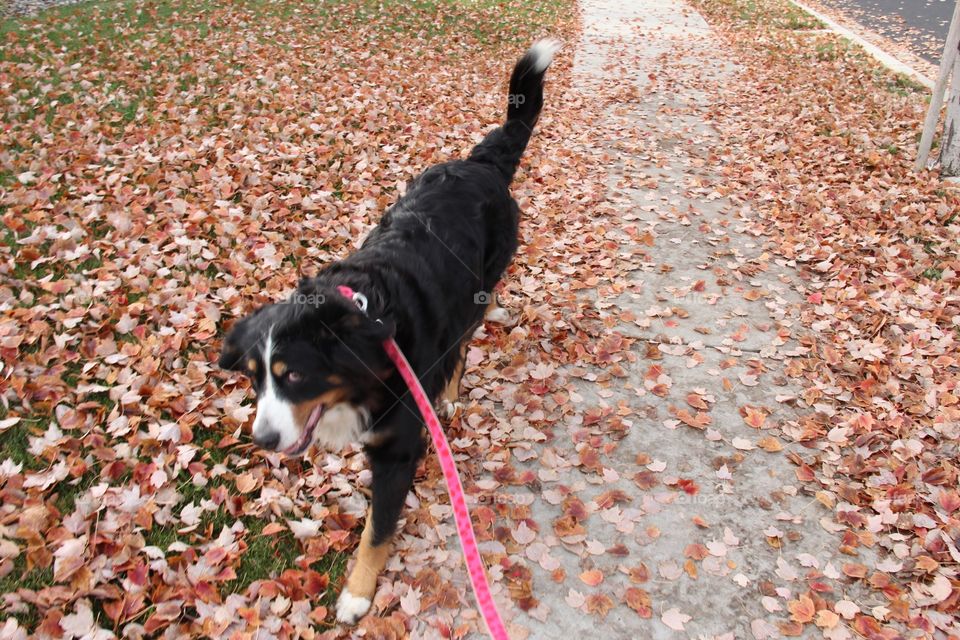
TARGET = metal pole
x,y
950,142
936,100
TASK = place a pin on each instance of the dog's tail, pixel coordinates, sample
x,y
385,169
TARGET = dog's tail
x,y
503,146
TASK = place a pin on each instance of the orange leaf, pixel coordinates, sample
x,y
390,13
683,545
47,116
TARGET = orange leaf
x,y
753,416
802,610
593,577
696,551
827,619
639,601
639,574
246,482
272,528
769,444
696,401
699,421
599,604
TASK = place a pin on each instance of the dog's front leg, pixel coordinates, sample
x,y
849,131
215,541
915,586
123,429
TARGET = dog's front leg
x,y
392,478
357,594
449,401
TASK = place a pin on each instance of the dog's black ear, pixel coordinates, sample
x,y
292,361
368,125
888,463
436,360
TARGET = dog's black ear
x,y
355,326
358,347
239,343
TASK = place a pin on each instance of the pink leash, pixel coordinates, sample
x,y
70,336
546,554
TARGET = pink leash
x,y
468,539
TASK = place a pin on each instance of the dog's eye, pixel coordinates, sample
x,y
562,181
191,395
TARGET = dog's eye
x,y
294,377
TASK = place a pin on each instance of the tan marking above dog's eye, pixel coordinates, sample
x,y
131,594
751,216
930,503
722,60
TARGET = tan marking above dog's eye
x,y
278,368
336,381
252,365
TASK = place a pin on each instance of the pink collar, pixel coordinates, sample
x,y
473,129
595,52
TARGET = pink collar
x,y
468,539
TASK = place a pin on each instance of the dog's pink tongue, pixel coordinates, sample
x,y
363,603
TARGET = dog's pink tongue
x,y
307,430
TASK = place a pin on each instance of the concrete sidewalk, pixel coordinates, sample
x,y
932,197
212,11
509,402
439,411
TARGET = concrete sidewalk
x,y
722,556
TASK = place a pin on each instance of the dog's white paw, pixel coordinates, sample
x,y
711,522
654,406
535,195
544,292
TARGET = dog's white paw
x,y
498,315
351,608
449,409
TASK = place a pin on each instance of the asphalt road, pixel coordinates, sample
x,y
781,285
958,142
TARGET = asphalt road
x,y
920,25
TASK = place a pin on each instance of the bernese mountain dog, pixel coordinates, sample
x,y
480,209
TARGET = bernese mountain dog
x,y
425,276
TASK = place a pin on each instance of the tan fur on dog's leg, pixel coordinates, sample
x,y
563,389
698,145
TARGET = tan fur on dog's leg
x,y
448,401
496,314
357,595
452,390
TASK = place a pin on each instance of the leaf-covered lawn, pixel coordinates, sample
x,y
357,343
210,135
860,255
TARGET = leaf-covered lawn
x,y
164,166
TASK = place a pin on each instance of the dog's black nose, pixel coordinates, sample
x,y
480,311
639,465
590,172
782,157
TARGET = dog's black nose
x,y
267,440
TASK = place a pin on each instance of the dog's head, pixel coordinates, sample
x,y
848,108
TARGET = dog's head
x,y
317,365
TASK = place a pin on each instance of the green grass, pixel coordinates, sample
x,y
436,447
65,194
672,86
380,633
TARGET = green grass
x,y
829,50
334,564
98,35
14,442
95,31
900,84
33,580
215,521
161,537
121,81
14,447
22,269
266,556
208,440
84,28
798,20
86,25
781,16
21,578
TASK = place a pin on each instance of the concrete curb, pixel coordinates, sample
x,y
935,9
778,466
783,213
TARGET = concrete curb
x,y
876,52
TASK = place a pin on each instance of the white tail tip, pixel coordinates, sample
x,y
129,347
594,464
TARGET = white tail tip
x,y
542,52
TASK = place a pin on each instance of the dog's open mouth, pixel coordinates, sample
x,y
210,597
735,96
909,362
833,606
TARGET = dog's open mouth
x,y
306,436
